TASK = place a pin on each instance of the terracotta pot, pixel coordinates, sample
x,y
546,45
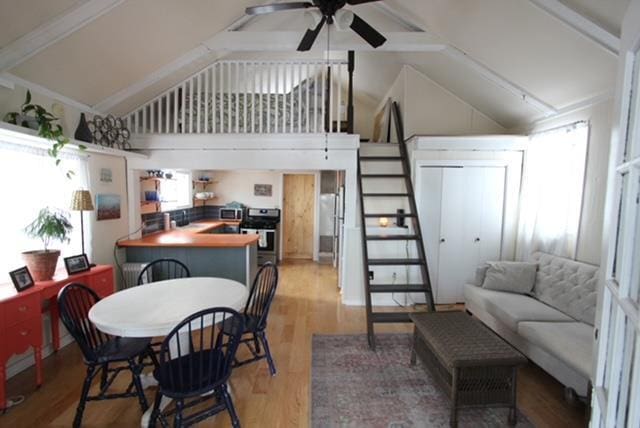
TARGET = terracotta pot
x,y
41,264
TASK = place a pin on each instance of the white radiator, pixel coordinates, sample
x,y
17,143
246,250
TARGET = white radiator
x,y
131,271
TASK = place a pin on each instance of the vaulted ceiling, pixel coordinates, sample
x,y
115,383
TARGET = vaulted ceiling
x,y
114,55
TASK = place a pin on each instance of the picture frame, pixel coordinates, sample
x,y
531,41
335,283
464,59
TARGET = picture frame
x,y
108,206
263,190
77,264
22,279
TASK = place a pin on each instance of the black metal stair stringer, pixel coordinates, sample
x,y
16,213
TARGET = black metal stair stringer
x,y
416,236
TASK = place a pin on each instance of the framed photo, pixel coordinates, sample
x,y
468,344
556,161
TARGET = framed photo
x,y
21,279
262,190
77,264
108,207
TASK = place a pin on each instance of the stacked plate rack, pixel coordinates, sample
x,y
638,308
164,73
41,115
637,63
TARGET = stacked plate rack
x,y
110,132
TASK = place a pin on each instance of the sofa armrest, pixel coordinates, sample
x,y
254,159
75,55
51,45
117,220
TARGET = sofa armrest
x,y
481,273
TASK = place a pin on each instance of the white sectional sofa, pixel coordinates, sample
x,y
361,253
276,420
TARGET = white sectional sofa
x,y
553,324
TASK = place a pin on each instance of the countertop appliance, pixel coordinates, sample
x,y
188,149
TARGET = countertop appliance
x,y
264,222
235,214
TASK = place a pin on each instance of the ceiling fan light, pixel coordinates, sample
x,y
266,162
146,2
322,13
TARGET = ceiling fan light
x,y
344,19
312,18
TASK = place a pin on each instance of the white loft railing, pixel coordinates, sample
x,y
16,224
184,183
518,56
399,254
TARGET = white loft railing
x,y
233,97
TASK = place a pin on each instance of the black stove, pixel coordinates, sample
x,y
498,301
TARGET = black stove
x,y
263,222
261,218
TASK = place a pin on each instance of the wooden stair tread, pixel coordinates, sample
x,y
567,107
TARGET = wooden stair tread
x,y
397,288
390,317
383,175
392,237
389,215
385,195
395,262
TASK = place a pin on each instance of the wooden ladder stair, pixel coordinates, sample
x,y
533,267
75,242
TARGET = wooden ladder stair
x,y
423,286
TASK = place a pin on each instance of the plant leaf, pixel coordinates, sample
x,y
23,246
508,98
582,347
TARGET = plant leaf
x,y
27,100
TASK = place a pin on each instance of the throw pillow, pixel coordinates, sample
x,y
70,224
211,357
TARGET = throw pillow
x,y
514,277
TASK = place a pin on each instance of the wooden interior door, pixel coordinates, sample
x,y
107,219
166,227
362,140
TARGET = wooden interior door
x,y
298,215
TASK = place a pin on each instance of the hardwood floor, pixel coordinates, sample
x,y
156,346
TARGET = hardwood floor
x,y
307,303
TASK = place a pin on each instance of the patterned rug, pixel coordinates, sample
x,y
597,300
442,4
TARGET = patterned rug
x,y
354,387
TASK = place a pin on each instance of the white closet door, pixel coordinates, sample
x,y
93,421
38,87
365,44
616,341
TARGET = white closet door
x,y
489,240
470,228
430,197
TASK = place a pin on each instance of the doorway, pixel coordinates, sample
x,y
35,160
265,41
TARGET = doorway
x,y
299,194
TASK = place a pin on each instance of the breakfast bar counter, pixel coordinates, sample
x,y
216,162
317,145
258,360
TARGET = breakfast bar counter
x,y
205,252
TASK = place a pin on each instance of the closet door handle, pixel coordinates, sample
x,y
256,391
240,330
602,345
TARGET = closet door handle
x,y
442,240
476,240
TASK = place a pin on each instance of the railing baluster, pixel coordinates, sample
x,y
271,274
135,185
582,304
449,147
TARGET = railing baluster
x,y
152,112
277,99
292,97
198,101
269,96
221,74
183,103
191,115
300,81
261,74
339,89
237,95
175,111
214,98
229,99
245,97
324,101
308,106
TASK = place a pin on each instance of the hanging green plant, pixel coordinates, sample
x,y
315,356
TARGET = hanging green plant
x,y
35,116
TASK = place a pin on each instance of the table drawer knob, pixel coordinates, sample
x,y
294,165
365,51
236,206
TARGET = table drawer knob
x,y
24,332
22,308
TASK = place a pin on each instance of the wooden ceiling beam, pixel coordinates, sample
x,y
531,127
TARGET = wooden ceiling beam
x,y
52,31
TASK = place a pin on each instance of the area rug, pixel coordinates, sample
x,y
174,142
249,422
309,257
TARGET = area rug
x,y
354,387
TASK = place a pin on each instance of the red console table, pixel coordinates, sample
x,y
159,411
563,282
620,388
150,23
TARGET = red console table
x,y
21,316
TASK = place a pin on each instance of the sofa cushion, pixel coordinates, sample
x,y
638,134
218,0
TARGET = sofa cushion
x,y
513,277
510,308
567,285
570,342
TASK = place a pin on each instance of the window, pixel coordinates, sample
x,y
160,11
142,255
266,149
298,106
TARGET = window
x,y
176,192
30,181
553,183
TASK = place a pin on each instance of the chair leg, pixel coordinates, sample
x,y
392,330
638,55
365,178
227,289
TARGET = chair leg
x,y
256,343
267,351
235,422
177,422
91,371
152,356
104,375
155,413
136,369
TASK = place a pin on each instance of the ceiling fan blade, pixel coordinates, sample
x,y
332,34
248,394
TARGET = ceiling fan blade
x,y
357,2
310,36
277,7
367,32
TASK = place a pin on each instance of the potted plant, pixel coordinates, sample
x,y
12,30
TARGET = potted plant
x,y
34,116
50,225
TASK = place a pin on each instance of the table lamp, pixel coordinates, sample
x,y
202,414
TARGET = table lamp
x,y
82,202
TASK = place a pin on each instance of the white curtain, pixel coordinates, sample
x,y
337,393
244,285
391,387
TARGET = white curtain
x,y
30,181
551,198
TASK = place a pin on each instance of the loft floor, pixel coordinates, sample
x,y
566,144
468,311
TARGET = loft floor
x,y
307,302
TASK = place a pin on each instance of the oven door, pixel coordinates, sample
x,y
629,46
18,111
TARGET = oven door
x,y
267,241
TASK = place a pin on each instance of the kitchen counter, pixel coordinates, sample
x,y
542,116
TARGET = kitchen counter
x,y
197,235
206,254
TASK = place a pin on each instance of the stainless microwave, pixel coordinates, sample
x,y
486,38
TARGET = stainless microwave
x,y
231,214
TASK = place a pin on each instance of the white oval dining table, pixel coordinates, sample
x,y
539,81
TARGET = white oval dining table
x,y
154,309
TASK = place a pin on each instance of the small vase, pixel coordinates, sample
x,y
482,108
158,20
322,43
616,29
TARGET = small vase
x,y
83,133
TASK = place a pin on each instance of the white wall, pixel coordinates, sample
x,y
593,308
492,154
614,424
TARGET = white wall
x,y
599,117
238,186
429,109
103,233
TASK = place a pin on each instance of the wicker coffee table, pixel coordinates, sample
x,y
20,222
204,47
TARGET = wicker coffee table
x,y
474,366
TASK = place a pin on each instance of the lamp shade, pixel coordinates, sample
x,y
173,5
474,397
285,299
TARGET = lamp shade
x,y
81,201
